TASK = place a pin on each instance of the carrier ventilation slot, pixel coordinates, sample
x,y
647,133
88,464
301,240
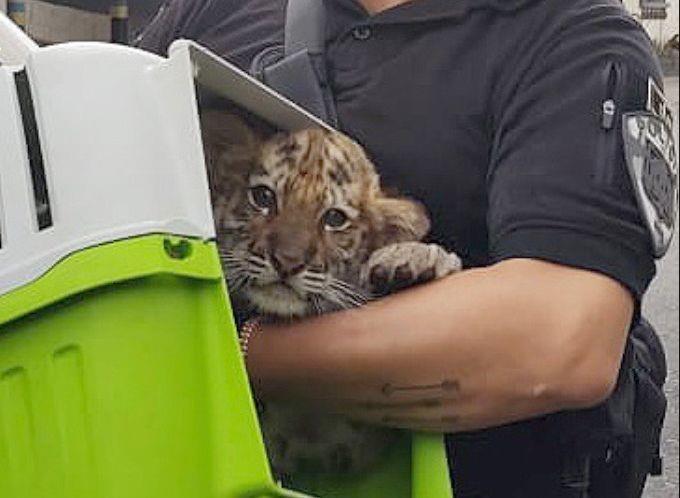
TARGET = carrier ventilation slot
x,y
35,156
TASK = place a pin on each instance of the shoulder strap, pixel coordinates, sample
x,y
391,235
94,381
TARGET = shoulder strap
x,y
305,27
297,69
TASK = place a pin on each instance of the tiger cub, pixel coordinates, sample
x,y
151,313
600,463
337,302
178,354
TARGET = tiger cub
x,y
305,228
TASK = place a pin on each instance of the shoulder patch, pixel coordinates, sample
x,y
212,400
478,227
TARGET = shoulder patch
x,y
652,164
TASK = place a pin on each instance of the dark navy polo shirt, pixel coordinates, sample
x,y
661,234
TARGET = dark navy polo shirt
x,y
491,113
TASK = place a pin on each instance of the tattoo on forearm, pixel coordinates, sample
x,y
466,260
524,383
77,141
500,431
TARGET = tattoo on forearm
x,y
401,398
417,403
446,385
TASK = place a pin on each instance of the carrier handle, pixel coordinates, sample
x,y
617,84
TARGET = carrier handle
x,y
15,45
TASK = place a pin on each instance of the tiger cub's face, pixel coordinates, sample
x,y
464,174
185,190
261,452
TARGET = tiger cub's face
x,y
297,215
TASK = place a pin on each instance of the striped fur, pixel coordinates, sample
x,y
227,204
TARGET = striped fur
x,y
284,260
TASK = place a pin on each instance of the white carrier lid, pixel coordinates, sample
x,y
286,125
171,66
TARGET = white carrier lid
x,y
119,141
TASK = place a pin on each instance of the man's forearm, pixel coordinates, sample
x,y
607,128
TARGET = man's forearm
x,y
481,348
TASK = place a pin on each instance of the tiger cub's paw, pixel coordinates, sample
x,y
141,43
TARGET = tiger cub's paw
x,y
405,264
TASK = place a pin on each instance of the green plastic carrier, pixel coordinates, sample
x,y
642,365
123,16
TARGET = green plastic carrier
x,y
120,370
121,377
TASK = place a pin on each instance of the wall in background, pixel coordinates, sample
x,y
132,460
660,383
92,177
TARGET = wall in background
x,y
141,11
660,30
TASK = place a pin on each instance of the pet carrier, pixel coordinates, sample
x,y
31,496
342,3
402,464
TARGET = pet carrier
x,y
120,372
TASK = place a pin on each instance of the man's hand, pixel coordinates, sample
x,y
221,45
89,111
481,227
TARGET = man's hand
x,y
476,349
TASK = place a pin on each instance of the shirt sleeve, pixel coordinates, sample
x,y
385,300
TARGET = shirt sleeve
x,y
168,24
558,184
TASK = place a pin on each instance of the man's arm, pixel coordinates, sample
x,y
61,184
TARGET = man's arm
x,y
481,348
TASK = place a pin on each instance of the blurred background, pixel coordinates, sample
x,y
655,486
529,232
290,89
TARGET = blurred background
x,y
54,21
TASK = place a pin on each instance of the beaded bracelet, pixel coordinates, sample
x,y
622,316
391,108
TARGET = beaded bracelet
x,y
248,330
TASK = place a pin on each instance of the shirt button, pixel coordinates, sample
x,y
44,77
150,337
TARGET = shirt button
x,y
361,33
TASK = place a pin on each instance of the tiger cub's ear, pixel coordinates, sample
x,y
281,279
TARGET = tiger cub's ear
x,y
398,220
222,129
228,142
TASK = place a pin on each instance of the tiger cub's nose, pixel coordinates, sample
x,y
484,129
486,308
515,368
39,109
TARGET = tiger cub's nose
x,y
287,264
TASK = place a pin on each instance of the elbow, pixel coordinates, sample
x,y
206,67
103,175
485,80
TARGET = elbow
x,y
563,389
588,388
584,372
584,318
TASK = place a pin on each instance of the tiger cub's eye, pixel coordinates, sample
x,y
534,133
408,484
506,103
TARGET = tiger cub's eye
x,y
262,197
335,219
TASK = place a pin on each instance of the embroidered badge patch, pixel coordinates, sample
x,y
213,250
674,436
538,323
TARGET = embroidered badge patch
x,y
653,167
